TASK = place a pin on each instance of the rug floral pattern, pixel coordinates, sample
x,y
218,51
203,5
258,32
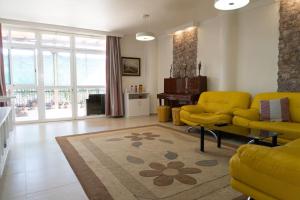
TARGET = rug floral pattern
x,y
165,175
155,162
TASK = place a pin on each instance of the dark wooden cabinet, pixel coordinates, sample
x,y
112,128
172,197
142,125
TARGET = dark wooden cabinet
x,y
182,91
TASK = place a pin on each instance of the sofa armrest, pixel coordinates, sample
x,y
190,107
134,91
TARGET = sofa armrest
x,y
192,108
250,114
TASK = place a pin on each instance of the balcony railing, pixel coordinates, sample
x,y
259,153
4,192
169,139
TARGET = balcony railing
x,y
58,102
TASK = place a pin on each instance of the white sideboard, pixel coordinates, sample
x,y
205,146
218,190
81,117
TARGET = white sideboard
x,y
6,129
137,104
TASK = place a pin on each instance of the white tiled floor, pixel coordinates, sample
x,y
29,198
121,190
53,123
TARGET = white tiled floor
x,y
36,167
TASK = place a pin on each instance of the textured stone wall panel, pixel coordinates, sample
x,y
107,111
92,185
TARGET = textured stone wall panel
x,y
289,46
185,53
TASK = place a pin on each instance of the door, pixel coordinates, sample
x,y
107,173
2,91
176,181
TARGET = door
x,y
57,85
24,83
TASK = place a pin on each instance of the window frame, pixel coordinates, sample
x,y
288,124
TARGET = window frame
x,y
22,30
54,33
87,49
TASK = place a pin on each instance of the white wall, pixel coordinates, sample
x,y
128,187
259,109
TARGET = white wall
x,y
209,52
228,51
165,59
257,56
147,51
151,73
130,47
251,46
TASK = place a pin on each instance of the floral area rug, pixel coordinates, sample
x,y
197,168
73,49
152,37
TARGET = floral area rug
x,y
147,163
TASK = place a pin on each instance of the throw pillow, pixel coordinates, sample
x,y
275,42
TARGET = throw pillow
x,y
275,110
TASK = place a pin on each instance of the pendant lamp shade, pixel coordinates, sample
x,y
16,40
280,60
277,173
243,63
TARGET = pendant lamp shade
x,y
146,35
230,4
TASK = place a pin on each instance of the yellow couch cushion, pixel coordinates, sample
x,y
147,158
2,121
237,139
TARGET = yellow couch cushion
x,y
282,163
294,102
250,114
223,102
203,118
295,143
274,171
210,118
289,130
193,108
240,121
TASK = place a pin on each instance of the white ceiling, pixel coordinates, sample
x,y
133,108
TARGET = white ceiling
x,y
120,16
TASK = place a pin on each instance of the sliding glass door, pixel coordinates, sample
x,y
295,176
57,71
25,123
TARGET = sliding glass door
x,y
57,85
52,74
24,86
92,66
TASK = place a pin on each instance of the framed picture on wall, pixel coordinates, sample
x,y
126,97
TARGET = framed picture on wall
x,y
131,66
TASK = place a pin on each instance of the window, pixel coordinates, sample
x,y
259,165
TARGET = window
x,y
48,61
5,36
63,69
58,103
55,40
26,104
90,69
23,37
6,66
23,66
90,43
56,69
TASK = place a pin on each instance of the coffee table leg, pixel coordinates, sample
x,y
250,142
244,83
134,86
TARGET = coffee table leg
x,y
219,137
274,141
202,131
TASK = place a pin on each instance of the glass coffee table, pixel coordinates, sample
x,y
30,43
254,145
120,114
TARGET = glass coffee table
x,y
259,136
256,136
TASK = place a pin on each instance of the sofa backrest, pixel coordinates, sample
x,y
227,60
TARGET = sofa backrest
x,y
294,101
224,102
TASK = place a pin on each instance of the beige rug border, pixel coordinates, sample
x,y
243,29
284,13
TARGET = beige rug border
x,y
86,176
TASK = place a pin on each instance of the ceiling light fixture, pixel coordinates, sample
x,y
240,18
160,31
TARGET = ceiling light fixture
x,y
147,35
230,4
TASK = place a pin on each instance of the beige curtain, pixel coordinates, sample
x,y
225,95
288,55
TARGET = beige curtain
x,y
114,97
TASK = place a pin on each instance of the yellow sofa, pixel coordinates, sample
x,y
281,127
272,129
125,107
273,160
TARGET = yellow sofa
x,y
266,173
214,108
249,118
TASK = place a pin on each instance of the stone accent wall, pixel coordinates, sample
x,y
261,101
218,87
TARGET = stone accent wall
x,y
185,53
289,46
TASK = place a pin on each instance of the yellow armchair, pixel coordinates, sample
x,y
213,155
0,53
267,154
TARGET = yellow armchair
x,y
266,173
214,108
